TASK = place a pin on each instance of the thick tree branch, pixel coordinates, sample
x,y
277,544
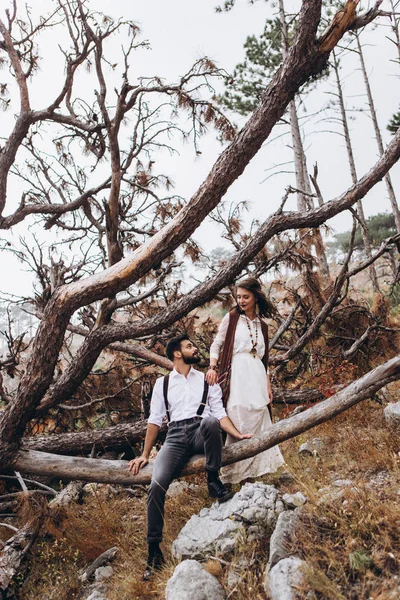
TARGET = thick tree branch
x,y
15,551
345,20
369,16
276,223
17,67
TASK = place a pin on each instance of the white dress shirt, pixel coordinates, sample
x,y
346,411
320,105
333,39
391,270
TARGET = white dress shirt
x,y
184,398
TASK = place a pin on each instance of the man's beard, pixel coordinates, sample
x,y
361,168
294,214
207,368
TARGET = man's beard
x,y
191,360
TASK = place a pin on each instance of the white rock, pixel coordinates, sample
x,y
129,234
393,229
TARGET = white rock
x,y
103,573
177,487
311,447
298,410
253,511
279,545
191,582
294,500
337,491
233,578
379,480
285,578
392,416
341,483
96,595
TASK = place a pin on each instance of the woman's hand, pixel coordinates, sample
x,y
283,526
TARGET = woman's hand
x,y
228,426
246,436
211,376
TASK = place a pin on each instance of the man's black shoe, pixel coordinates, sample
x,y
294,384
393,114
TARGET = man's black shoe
x,y
155,562
217,489
147,574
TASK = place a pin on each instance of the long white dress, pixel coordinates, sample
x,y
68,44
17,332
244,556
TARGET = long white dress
x,y
248,401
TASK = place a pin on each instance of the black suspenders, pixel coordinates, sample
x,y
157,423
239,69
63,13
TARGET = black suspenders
x,y
165,390
203,400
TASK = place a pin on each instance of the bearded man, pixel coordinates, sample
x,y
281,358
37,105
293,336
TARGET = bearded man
x,y
196,416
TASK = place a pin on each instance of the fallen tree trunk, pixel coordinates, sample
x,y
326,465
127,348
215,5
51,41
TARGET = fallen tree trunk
x,y
13,554
82,442
101,560
124,435
68,495
106,471
282,396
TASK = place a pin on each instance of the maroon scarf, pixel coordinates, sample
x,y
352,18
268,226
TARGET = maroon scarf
x,y
224,377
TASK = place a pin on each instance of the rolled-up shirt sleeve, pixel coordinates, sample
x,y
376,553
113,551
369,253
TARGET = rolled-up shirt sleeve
x,y
157,404
219,340
215,402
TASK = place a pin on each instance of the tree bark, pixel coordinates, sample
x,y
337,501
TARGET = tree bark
x,y
107,471
119,436
68,495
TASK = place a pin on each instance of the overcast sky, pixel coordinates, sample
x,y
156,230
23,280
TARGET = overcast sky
x,y
180,32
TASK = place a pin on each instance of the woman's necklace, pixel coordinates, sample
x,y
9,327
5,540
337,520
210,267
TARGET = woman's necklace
x,y
253,350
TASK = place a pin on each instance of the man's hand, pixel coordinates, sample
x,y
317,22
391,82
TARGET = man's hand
x,y
138,463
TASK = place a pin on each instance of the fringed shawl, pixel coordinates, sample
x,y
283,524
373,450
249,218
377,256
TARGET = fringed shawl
x,y
224,377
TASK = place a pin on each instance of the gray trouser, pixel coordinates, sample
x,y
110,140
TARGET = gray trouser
x,y
184,438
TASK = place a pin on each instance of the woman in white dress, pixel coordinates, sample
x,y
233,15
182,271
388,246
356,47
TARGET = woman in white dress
x,y
244,376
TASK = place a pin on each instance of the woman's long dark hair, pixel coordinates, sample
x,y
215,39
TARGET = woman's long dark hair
x,y
265,306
